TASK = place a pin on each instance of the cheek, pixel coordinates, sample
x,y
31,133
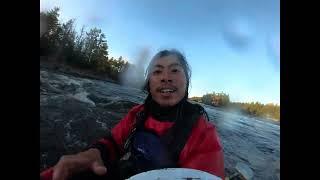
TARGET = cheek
x,y
152,85
182,91
182,82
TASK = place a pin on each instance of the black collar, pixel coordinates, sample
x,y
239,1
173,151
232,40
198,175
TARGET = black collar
x,y
165,113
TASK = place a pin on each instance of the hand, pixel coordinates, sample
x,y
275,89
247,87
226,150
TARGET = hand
x,y
72,164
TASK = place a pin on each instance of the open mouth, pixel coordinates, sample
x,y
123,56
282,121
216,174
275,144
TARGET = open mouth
x,y
167,90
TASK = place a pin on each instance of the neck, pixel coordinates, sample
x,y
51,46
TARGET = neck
x,y
168,113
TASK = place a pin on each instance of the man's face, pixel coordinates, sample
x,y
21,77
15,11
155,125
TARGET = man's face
x,y
167,81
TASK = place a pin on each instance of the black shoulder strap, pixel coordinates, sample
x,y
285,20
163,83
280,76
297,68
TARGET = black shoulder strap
x,y
181,130
139,125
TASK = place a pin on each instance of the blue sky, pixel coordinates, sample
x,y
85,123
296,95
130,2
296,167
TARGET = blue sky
x,y
232,45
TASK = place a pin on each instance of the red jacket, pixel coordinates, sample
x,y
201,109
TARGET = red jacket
x,y
203,150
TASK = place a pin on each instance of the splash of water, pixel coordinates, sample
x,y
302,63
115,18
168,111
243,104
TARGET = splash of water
x,y
133,76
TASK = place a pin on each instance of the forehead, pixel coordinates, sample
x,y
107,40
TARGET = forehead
x,y
166,61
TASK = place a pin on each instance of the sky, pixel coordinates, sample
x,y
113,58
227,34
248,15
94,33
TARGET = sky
x,y
232,46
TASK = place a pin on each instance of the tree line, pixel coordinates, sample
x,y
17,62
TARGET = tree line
x,y
271,111
86,49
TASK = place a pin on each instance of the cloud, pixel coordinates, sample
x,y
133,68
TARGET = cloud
x,y
274,46
94,18
238,33
273,49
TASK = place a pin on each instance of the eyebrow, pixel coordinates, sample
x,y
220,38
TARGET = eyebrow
x,y
170,66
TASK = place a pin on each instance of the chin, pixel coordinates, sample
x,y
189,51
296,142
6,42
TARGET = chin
x,y
167,103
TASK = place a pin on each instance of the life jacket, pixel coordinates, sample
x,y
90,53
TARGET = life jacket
x,y
145,150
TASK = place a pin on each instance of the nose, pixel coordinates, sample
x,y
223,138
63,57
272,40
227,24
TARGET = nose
x,y
166,77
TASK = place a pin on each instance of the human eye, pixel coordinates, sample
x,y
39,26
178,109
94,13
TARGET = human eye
x,y
156,72
175,70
